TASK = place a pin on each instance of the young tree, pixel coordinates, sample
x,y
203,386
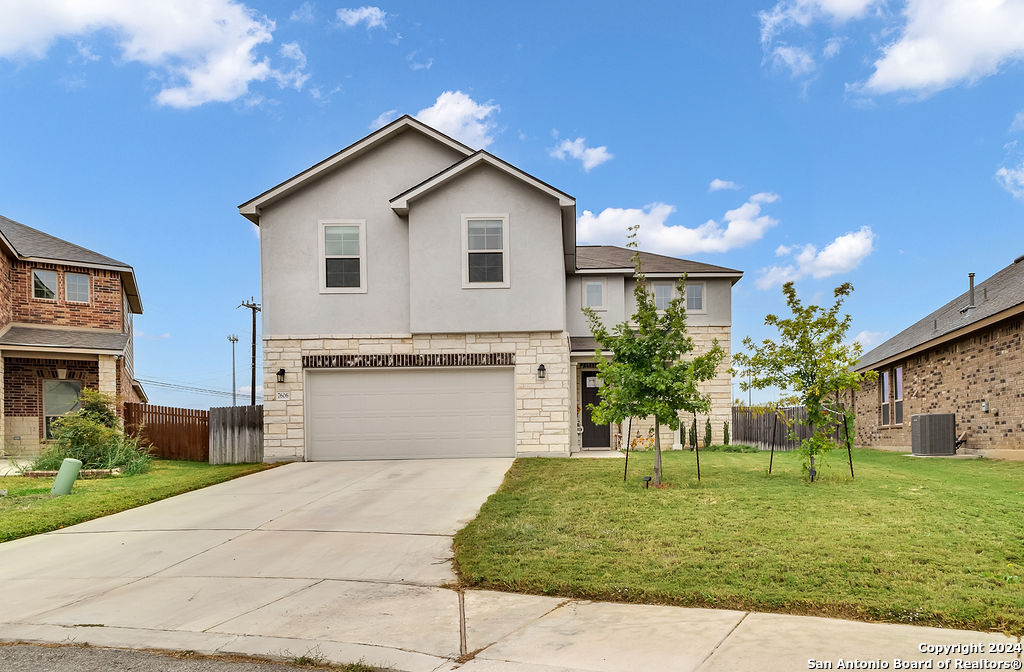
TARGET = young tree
x,y
650,371
810,359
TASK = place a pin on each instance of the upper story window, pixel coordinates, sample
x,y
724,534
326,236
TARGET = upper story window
x,y
663,294
695,297
343,256
76,287
593,294
485,251
44,285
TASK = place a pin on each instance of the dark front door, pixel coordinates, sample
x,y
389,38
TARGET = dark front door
x,y
594,436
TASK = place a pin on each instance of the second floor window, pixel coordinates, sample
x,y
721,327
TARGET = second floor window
x,y
44,285
593,294
663,293
343,243
695,297
76,287
485,255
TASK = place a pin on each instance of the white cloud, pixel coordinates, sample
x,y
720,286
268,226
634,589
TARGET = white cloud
x,y
832,47
788,13
461,117
797,60
373,17
1018,122
719,185
1012,179
295,77
742,226
842,255
383,119
303,13
870,339
201,50
590,157
946,42
419,64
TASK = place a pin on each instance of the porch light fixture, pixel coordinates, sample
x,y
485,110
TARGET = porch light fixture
x,y
542,372
62,374
280,375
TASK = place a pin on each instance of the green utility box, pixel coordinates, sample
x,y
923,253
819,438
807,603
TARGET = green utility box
x,y
69,469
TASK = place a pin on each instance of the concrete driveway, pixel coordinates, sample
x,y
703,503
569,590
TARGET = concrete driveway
x,y
348,561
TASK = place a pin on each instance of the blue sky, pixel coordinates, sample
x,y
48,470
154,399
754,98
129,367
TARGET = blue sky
x,y
817,140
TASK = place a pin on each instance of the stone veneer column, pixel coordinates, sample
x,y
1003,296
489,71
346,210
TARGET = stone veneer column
x,y
3,436
107,370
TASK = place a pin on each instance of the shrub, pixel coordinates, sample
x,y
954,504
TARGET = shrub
x,y
693,434
732,448
92,434
725,433
707,432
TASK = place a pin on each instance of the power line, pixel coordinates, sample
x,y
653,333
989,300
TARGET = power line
x,y
184,388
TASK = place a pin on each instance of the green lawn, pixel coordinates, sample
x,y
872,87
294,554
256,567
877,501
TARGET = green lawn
x,y
925,541
29,508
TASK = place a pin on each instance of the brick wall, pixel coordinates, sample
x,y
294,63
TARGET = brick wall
x,y
542,407
6,271
956,377
102,312
23,383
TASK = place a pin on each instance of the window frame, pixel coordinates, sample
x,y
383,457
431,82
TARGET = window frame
x,y
884,409
32,284
88,290
48,416
322,234
505,252
897,401
604,292
654,297
703,298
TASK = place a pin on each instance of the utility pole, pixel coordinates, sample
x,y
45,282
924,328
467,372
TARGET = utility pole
x,y
234,386
255,308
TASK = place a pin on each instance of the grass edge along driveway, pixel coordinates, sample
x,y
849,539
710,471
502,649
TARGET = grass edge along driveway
x,y
29,508
924,541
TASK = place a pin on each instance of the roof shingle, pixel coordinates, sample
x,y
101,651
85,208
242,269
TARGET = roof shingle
x,y
611,256
43,337
29,242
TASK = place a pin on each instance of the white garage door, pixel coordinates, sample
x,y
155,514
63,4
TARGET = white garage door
x,y
410,413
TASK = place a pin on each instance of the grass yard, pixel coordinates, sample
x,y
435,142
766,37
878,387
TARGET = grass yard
x,y
925,541
29,508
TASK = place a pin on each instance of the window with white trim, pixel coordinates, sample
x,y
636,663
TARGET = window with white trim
x,y
664,292
44,285
883,392
593,294
343,256
695,297
485,251
897,402
76,287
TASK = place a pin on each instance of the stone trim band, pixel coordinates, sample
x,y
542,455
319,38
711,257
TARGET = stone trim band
x,y
408,361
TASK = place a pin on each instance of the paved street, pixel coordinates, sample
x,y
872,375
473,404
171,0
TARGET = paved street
x,y
351,559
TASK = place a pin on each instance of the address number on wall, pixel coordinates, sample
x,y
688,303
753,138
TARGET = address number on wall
x,y
284,396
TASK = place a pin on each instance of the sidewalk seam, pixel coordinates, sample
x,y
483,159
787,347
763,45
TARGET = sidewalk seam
x,y
722,641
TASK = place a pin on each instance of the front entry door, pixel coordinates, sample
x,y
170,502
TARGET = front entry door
x,y
594,436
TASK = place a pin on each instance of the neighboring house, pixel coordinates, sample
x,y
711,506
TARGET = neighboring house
x,y
65,323
965,358
422,299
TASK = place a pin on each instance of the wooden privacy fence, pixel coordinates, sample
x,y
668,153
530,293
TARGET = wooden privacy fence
x,y
170,433
754,426
218,436
236,434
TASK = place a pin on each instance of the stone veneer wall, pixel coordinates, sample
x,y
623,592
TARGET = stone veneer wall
x,y
719,388
542,407
956,377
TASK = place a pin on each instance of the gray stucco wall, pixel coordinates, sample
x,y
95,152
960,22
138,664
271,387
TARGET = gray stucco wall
x,y
717,297
614,301
535,299
289,250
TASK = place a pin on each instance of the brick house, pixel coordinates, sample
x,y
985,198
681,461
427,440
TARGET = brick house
x,y
964,358
65,323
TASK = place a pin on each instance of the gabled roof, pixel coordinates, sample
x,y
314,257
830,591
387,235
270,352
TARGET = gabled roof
x,y
30,244
614,259
250,209
400,203
997,298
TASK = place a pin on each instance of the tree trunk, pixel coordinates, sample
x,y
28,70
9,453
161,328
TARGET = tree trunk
x,y
657,453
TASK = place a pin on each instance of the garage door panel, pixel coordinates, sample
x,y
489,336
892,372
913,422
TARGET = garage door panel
x,y
410,413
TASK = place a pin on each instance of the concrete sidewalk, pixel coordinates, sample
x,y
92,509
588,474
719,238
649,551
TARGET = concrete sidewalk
x,y
349,561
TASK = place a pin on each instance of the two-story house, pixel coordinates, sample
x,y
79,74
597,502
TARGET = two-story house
x,y
422,299
65,323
